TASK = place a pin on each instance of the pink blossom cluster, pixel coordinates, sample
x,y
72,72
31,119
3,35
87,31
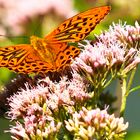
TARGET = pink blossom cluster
x,y
96,124
115,53
54,95
41,108
15,13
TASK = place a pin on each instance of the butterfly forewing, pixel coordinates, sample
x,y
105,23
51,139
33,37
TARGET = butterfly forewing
x,y
23,59
78,27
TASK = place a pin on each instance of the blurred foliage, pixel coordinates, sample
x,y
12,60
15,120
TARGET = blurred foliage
x,y
133,136
5,126
121,9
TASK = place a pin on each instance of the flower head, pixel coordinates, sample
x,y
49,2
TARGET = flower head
x,y
127,34
34,130
96,124
113,55
40,107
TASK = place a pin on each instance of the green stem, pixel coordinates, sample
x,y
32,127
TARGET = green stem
x,y
109,82
130,81
134,89
113,74
126,90
123,103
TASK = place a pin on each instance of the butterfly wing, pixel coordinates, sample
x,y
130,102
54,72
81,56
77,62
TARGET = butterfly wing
x,y
23,59
72,30
78,27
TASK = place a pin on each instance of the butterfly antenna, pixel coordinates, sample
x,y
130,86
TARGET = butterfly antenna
x,y
15,37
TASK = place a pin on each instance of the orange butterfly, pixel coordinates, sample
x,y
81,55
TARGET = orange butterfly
x,y
52,53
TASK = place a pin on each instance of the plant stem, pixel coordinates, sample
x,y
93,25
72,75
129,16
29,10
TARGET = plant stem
x,y
134,89
130,81
126,90
123,103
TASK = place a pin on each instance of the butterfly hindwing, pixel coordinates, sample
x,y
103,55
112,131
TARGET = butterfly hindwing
x,y
65,57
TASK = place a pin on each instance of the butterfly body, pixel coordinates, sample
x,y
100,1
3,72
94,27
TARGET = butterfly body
x,y
53,52
43,49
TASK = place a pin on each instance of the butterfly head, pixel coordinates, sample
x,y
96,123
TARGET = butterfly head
x,y
35,40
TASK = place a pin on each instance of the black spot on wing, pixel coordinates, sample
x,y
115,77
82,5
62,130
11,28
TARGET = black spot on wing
x,y
78,18
61,57
86,30
85,19
96,15
63,62
85,23
64,25
75,25
81,35
76,52
68,61
34,65
73,48
91,24
70,22
68,52
79,29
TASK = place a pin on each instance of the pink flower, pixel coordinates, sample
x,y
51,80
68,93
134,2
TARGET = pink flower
x,y
16,13
127,35
41,108
96,124
19,131
114,53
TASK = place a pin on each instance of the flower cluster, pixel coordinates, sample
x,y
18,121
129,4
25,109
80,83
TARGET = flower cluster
x,y
37,124
53,95
110,56
96,124
41,108
16,13
127,36
44,111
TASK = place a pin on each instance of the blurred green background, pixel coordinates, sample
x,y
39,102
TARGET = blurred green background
x,y
19,20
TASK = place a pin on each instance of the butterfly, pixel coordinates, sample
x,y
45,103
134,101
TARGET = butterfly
x,y
53,52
